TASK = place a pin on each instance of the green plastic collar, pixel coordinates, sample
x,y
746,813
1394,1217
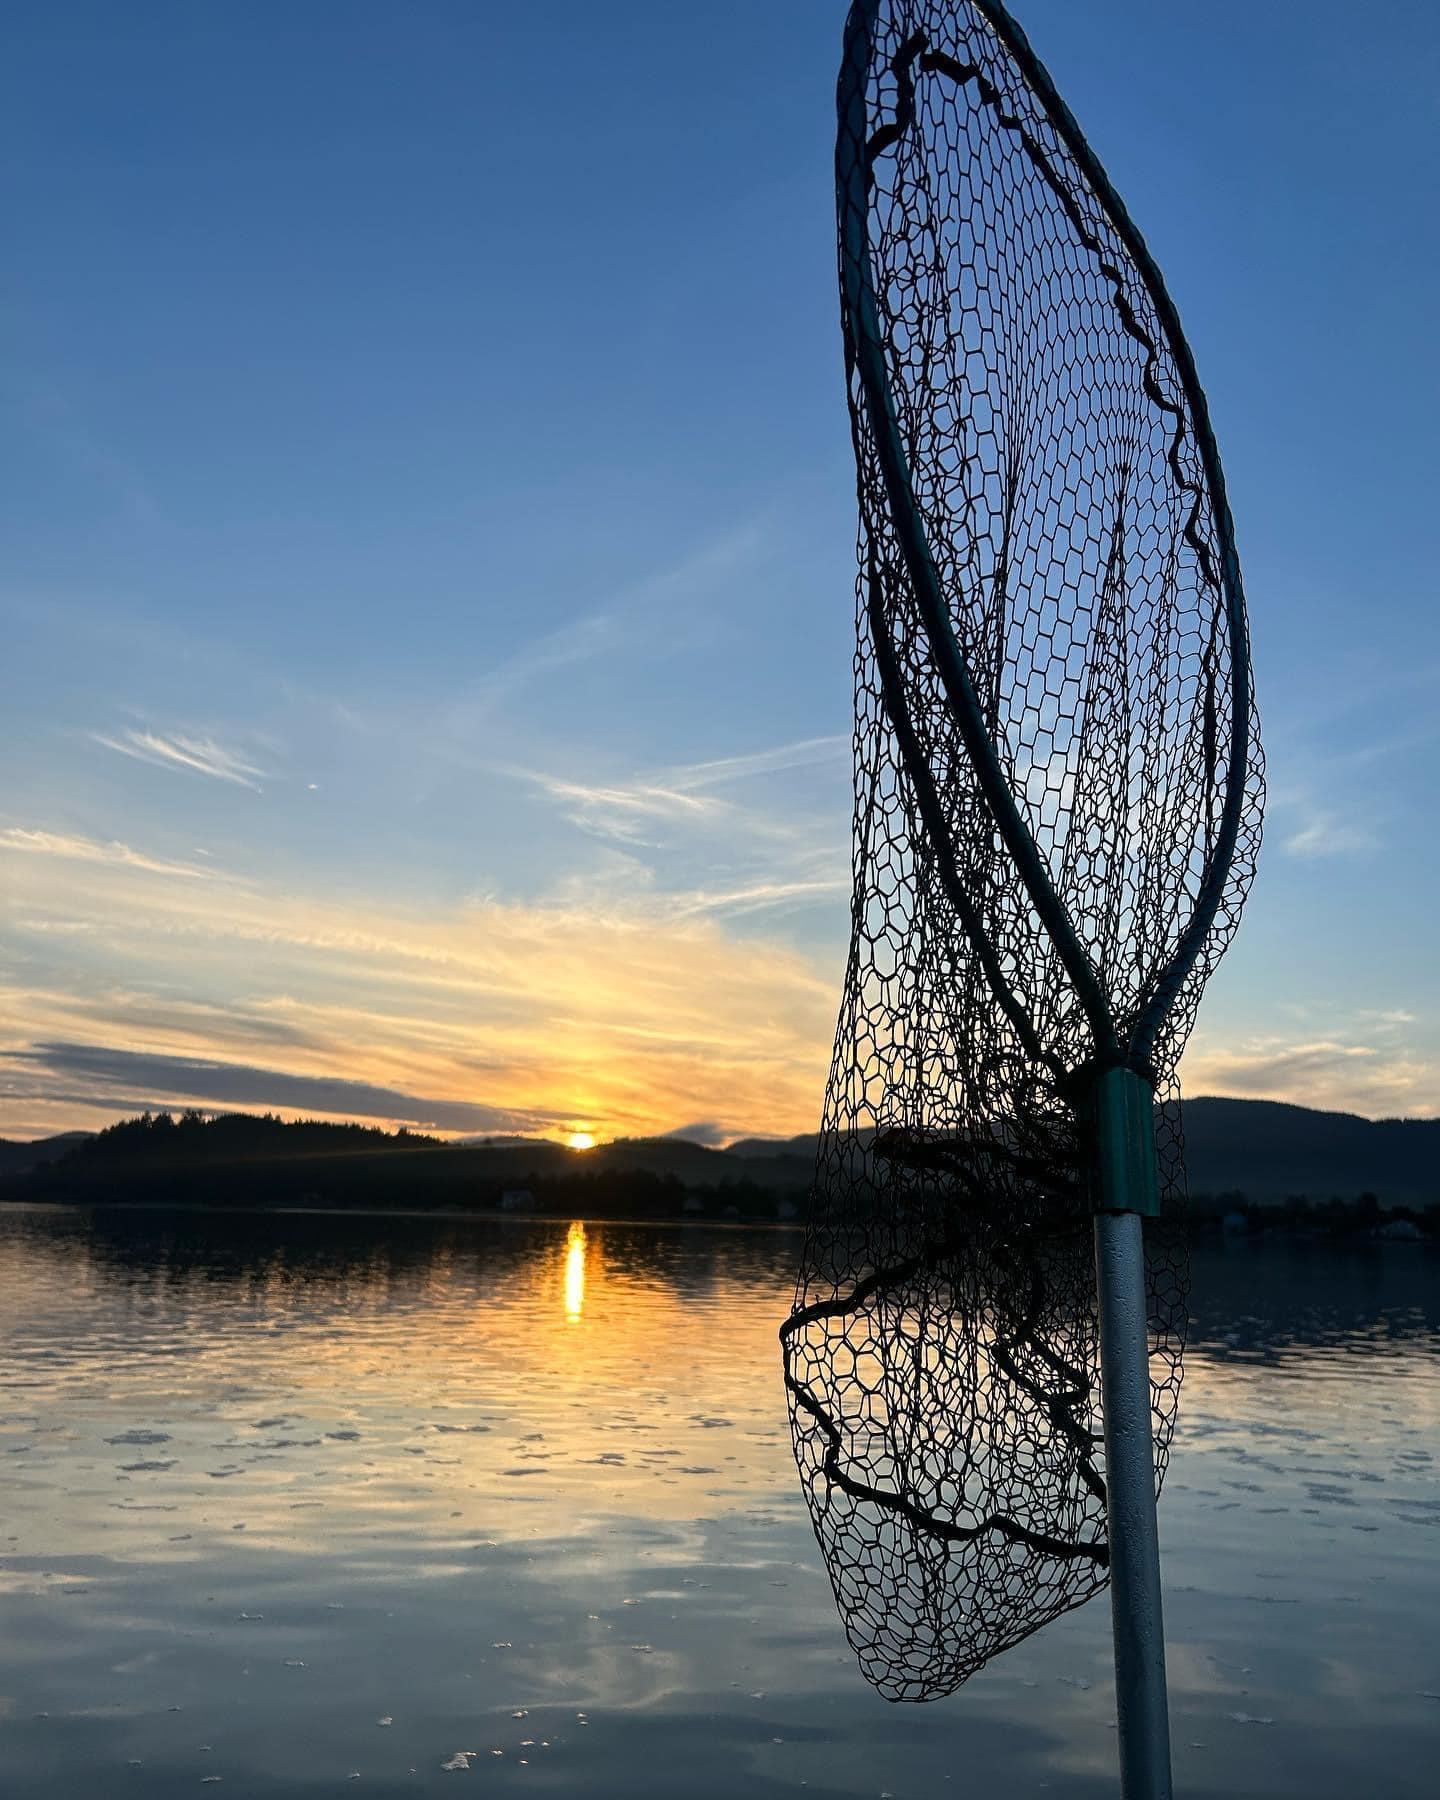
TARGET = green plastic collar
x,y
1120,1112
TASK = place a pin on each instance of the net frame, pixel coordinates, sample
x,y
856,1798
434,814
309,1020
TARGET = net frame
x,y
1014,937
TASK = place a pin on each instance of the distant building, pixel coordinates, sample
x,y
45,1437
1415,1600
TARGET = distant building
x,y
1405,1231
691,1205
1235,1224
517,1200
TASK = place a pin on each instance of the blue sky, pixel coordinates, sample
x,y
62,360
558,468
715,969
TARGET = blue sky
x,y
428,512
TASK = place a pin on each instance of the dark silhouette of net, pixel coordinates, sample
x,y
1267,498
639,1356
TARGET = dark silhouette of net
x,y
1047,581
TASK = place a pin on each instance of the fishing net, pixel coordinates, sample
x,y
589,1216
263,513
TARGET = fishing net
x,y
1057,815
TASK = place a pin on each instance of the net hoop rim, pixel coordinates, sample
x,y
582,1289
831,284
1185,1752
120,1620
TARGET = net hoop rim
x,y
865,355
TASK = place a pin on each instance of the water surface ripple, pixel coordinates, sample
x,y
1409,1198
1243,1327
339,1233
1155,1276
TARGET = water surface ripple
x,y
294,1503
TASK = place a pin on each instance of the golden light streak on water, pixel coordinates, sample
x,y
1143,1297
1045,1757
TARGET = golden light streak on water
x,y
575,1248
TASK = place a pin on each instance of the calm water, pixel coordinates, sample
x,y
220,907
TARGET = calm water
x,y
296,1503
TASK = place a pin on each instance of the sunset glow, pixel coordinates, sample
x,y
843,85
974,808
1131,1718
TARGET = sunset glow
x,y
315,1005
340,784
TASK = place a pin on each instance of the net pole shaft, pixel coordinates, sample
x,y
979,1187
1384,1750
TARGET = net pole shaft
x,y
1141,1705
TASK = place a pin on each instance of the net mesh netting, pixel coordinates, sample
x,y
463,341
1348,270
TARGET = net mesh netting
x,y
942,1356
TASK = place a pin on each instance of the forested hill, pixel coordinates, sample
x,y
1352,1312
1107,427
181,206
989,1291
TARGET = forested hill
x,y
1270,1151
1267,1152
245,1160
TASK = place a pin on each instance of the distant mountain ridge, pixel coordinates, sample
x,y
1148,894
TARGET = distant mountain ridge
x,y
1265,1150
18,1157
1268,1150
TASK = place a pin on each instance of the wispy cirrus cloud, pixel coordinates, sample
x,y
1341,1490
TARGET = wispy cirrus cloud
x,y
1329,833
627,812
73,848
763,895
199,755
660,608
803,753
598,633
1342,787
1336,1073
685,795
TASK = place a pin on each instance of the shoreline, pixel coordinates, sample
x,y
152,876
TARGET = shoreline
x,y
1202,1229
460,1214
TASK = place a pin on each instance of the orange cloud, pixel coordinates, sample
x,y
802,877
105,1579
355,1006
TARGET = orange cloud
x,y
623,1016
609,1010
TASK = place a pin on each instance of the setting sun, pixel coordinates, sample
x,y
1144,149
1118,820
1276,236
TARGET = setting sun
x,y
581,1140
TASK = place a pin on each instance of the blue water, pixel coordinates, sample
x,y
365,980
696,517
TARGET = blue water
x,y
295,1506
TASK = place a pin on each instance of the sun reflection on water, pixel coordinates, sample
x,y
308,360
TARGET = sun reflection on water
x,y
575,1248
306,1417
